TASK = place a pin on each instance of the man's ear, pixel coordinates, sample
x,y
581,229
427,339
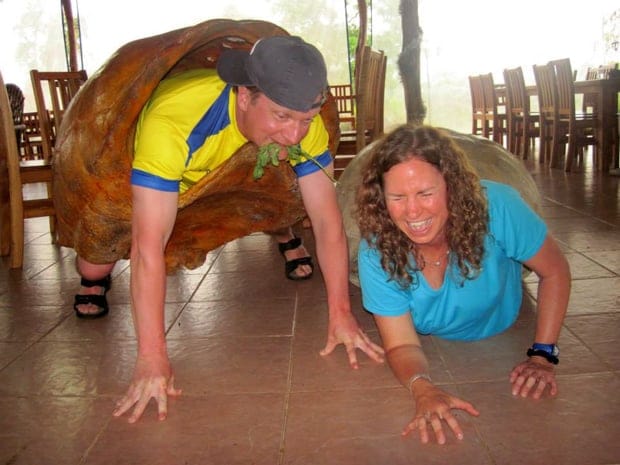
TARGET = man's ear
x,y
243,98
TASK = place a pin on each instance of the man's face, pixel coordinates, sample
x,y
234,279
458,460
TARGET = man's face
x,y
263,121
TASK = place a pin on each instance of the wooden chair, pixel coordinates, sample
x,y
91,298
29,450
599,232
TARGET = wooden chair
x,y
479,123
598,72
13,208
580,129
588,103
369,108
32,145
544,76
523,125
345,103
494,113
16,99
60,87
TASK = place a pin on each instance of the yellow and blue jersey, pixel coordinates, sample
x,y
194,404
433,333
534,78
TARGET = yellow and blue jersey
x,y
188,128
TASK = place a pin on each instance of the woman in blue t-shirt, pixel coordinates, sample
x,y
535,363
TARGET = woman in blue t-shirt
x,y
441,254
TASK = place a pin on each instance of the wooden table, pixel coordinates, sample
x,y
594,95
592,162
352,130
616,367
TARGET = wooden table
x,y
606,95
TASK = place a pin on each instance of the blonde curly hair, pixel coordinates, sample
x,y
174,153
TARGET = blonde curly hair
x,y
467,222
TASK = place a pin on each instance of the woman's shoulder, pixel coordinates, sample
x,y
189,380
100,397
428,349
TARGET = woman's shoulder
x,y
495,188
498,193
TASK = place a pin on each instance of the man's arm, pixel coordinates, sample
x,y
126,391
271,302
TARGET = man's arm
x,y
319,196
153,217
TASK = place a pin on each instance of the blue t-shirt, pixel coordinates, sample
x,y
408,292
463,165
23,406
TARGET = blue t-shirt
x,y
467,309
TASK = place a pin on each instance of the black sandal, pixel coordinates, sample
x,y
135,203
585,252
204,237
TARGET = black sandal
x,y
291,265
98,300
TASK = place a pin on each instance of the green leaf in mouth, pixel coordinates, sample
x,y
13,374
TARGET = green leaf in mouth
x,y
268,154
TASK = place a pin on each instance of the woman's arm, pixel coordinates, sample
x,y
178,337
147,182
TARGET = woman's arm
x,y
552,269
410,366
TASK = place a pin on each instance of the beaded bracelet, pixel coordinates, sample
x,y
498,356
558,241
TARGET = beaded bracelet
x,y
416,377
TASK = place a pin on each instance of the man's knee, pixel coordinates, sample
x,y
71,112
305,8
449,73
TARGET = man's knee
x,y
93,271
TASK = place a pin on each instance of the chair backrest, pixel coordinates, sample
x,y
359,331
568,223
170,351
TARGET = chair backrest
x,y
370,96
53,91
344,97
565,87
606,71
32,146
377,62
492,108
488,92
546,88
16,99
477,97
591,74
588,103
517,100
379,92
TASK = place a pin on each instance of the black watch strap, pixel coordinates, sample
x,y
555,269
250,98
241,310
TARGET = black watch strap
x,y
542,353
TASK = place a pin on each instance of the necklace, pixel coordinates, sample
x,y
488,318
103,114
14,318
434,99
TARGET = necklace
x,y
439,260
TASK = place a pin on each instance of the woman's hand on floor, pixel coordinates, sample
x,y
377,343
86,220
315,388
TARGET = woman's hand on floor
x,y
532,376
433,407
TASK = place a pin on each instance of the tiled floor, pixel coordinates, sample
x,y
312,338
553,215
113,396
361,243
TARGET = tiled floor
x,y
244,343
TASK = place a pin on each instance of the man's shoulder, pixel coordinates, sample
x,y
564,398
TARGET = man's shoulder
x,y
194,82
196,76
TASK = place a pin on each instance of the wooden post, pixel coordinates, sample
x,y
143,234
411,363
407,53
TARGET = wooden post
x,y
69,33
409,61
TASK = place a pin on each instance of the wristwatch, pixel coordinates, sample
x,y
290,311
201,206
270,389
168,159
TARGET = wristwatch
x,y
548,351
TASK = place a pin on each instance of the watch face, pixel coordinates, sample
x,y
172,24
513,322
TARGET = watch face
x,y
551,349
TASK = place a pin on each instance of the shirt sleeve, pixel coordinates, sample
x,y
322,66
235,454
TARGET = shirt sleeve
x,y
513,223
160,149
380,294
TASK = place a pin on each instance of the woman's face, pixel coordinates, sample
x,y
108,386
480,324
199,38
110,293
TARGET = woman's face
x,y
417,201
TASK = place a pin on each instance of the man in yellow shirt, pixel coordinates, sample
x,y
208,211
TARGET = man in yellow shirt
x,y
194,122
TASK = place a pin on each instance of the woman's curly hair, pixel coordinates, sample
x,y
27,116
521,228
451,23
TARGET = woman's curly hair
x,y
467,207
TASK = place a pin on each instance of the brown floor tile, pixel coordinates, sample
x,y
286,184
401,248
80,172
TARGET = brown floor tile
x,y
51,369
218,429
591,241
594,296
577,224
582,267
29,323
314,372
600,334
609,260
228,318
9,351
364,427
118,325
244,344
571,429
231,364
237,286
50,430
